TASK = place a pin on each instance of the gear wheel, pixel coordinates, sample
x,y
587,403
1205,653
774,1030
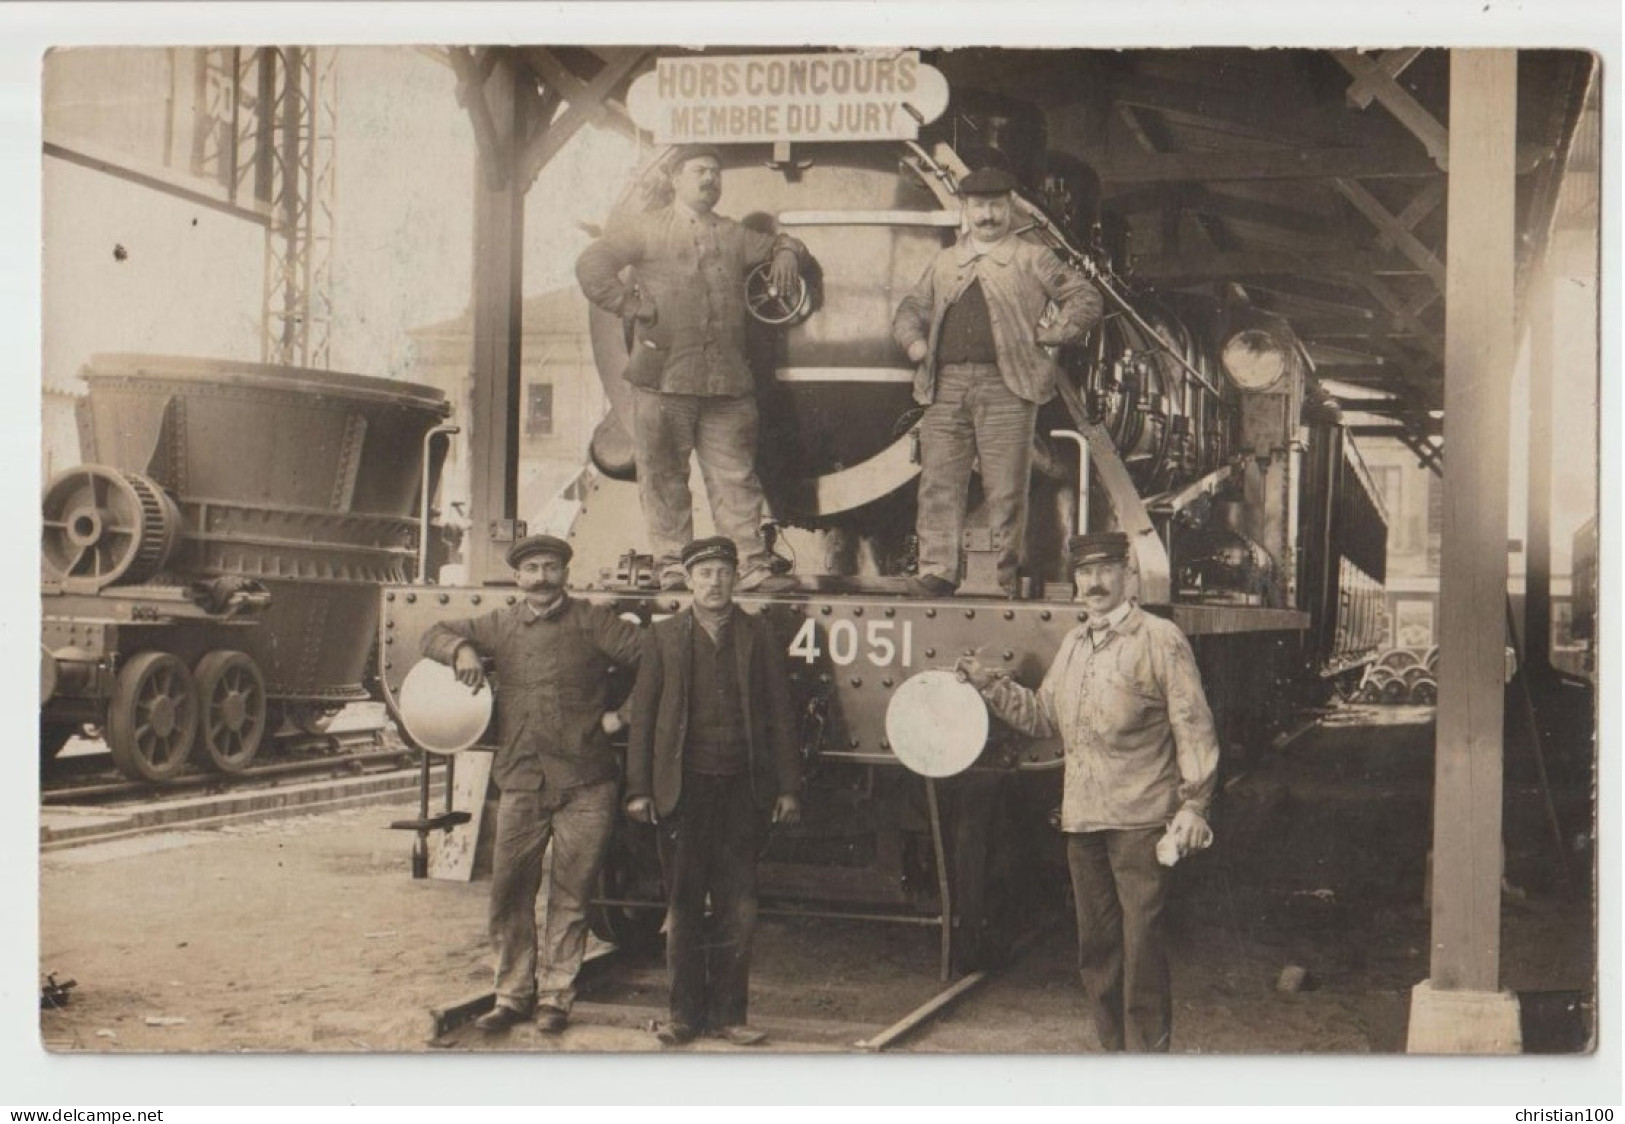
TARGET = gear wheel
x,y
104,527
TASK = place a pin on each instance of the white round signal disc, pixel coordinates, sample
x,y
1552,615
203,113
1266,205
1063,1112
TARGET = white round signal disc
x,y
440,714
936,724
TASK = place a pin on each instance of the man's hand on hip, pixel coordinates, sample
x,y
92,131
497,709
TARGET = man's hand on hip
x,y
916,351
643,310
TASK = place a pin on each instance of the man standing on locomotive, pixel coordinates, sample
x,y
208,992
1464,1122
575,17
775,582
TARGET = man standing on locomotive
x,y
975,324
712,760
1141,760
554,768
692,389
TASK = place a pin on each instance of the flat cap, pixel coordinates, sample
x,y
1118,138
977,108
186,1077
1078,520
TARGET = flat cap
x,y
686,152
987,181
711,549
538,544
1097,546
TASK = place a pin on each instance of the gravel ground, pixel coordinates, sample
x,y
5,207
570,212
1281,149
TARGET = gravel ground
x,y
308,934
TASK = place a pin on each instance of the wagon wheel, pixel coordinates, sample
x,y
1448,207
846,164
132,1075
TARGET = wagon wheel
x,y
232,713
1398,659
1425,692
1431,659
770,306
1394,691
631,872
152,720
1376,678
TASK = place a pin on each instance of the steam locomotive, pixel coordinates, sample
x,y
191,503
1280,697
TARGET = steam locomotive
x,y
1192,424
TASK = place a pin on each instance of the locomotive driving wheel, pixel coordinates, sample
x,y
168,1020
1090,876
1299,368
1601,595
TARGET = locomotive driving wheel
x,y
767,304
152,720
232,716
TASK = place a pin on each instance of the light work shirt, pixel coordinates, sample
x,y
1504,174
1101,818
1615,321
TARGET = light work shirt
x,y
1130,712
1019,279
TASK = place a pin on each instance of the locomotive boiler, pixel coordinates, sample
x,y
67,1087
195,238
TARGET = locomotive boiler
x,y
1193,425
212,570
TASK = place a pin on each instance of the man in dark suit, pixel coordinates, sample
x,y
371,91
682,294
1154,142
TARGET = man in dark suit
x,y
712,761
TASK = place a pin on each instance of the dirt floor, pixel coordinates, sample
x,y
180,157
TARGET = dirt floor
x,y
308,934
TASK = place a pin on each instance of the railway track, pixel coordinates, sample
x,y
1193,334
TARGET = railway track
x,y
616,985
90,780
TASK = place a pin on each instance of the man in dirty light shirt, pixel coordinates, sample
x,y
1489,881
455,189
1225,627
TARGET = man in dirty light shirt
x,y
1141,756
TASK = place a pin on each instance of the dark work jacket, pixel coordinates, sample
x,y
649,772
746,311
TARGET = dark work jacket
x,y
552,688
654,755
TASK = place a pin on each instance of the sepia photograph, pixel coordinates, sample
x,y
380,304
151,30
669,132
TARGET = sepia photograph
x,y
768,549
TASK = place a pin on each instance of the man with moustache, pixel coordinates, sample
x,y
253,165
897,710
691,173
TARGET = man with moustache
x,y
692,389
1141,758
554,768
976,325
712,760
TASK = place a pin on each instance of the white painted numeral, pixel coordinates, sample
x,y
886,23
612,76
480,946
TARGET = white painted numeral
x,y
805,644
882,648
882,641
843,642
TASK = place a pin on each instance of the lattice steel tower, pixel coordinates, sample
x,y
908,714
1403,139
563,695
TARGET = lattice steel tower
x,y
267,127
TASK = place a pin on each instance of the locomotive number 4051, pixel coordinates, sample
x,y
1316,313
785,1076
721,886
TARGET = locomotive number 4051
x,y
882,643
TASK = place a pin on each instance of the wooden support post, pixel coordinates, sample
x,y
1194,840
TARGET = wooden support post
x,y
492,432
1460,1009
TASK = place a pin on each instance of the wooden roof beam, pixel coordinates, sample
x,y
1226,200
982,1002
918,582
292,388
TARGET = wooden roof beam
x,y
551,69
1330,355
1253,115
1338,265
1151,136
1287,163
1255,211
1389,66
1385,222
1370,75
1426,337
585,101
1285,300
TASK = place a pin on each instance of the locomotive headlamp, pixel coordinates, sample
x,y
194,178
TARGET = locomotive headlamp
x,y
1261,350
1256,359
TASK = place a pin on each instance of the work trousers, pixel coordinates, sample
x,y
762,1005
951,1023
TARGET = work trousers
x,y
1120,890
708,848
974,417
667,428
578,822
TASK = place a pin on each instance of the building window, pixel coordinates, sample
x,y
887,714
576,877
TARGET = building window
x,y
539,410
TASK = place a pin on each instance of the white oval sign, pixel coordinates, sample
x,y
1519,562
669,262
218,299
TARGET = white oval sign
x,y
440,714
936,724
